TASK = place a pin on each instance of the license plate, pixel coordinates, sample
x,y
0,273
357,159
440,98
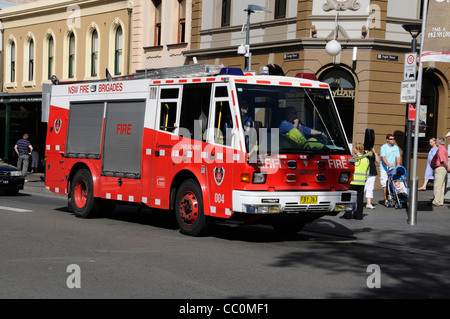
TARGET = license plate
x,y
308,199
4,182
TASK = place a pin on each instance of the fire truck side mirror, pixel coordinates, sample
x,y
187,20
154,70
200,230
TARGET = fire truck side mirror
x,y
54,80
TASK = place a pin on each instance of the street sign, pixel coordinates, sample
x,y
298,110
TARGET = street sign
x,y
409,73
408,93
411,112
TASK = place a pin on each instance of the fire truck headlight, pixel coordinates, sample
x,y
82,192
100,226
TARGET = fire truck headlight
x,y
262,209
344,207
322,165
344,178
259,178
245,178
320,178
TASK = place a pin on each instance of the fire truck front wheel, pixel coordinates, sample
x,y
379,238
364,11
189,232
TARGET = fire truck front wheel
x,y
189,209
82,201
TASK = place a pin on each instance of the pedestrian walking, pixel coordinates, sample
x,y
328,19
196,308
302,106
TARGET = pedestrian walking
x,y
372,174
429,171
23,149
440,169
390,158
34,161
358,182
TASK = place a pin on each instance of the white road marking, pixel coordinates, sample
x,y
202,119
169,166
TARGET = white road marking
x,y
16,209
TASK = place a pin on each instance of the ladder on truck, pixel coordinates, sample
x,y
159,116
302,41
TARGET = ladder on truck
x,y
184,71
189,70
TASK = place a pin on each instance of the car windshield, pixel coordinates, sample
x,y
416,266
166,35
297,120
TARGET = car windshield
x,y
291,120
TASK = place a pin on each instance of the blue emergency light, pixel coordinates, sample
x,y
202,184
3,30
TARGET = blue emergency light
x,y
231,71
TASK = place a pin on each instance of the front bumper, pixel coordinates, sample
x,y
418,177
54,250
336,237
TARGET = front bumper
x,y
11,182
261,202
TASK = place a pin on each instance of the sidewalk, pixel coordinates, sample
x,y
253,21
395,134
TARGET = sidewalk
x,y
382,226
35,182
389,228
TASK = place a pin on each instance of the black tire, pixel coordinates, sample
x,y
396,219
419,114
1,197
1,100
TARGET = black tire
x,y
82,200
189,209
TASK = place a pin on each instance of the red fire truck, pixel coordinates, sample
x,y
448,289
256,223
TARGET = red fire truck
x,y
254,148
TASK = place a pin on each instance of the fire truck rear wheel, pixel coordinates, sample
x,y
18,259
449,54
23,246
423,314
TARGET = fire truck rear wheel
x,y
189,209
82,199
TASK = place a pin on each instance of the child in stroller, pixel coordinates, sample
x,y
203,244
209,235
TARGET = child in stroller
x,y
397,192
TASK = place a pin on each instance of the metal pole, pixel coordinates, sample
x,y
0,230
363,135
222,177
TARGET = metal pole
x,y
412,208
248,57
7,130
409,125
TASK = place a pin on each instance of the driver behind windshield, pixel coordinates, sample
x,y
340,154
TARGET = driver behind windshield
x,y
299,133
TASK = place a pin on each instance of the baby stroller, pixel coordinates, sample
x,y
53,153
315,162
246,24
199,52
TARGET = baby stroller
x,y
397,191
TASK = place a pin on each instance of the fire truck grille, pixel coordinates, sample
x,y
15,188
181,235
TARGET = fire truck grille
x,y
318,208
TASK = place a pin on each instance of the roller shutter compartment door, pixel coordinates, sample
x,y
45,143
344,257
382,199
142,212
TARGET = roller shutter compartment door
x,y
84,133
122,147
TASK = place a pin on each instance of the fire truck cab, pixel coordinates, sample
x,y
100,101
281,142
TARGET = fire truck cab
x,y
260,148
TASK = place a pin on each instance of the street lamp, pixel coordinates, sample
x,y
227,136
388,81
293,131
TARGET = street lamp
x,y
414,29
252,8
333,47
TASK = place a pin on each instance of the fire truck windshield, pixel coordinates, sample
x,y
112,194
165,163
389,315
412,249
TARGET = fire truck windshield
x,y
290,120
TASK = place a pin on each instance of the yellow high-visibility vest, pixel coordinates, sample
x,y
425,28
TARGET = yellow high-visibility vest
x,y
297,136
361,167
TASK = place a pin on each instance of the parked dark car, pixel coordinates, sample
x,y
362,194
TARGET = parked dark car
x,y
11,178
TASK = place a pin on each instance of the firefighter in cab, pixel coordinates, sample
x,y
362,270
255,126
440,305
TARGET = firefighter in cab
x,y
299,133
358,182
